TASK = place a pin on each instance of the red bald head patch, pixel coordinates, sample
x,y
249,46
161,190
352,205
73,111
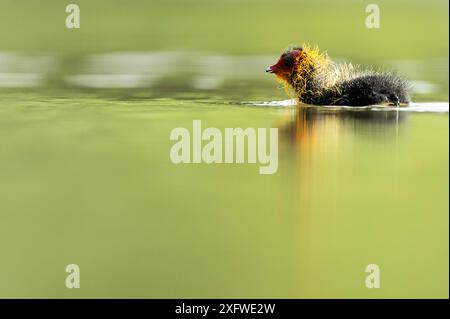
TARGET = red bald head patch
x,y
285,65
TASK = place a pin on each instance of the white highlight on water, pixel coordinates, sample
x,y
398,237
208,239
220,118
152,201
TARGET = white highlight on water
x,y
436,107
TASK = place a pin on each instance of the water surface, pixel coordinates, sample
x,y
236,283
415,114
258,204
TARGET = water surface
x,y
86,178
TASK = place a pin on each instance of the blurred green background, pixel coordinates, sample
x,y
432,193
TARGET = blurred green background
x,y
409,29
85,178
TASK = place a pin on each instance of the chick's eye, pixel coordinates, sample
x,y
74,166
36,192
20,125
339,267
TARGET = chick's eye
x,y
288,61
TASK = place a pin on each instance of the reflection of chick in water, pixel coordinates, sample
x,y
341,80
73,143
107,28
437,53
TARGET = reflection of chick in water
x,y
314,128
329,147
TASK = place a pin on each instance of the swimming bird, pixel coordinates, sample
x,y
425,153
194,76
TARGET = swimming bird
x,y
315,79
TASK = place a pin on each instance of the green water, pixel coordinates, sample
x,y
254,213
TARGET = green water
x,y
86,176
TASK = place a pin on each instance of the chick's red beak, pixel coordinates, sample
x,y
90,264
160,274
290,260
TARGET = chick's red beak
x,y
278,68
274,69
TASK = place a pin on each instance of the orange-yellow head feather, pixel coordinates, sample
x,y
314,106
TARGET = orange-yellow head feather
x,y
301,67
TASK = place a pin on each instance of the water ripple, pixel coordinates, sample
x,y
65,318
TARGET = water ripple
x,y
435,107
